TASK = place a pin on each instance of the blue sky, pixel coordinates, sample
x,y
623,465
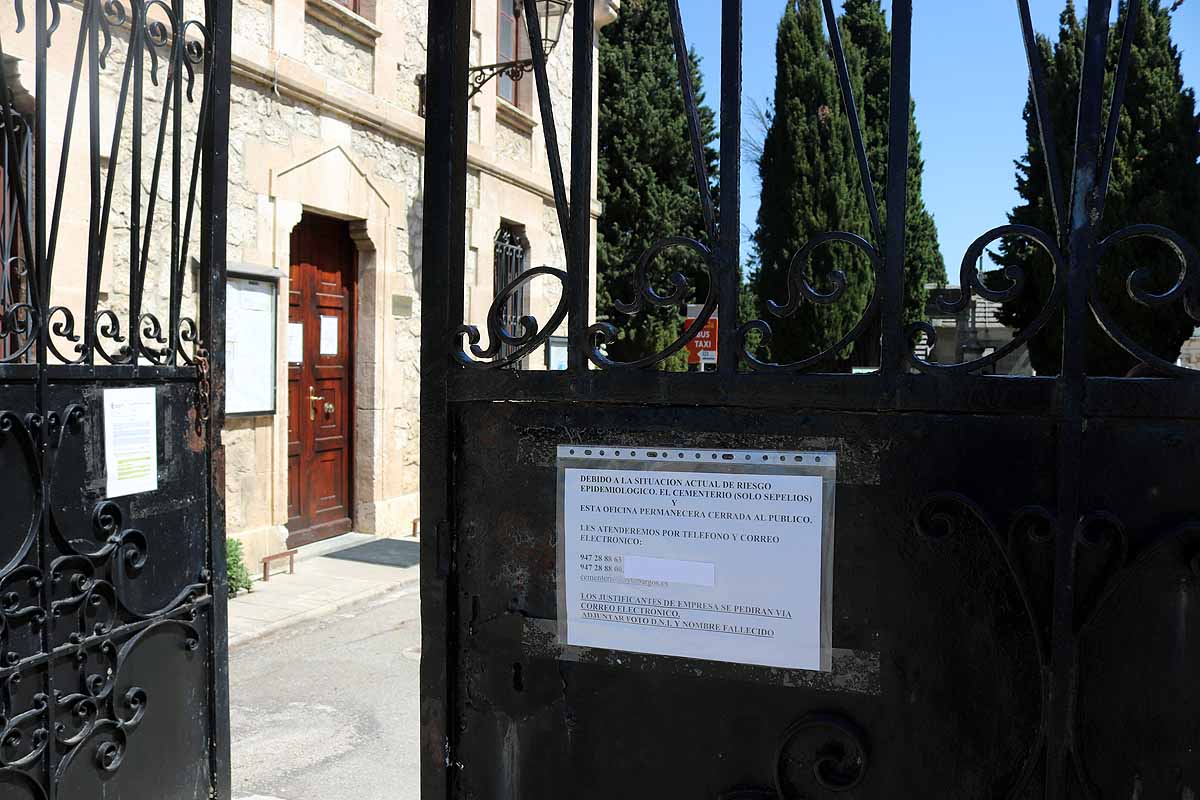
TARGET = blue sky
x,y
969,83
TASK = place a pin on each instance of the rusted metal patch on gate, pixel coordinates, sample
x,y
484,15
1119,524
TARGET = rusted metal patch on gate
x,y
858,459
854,671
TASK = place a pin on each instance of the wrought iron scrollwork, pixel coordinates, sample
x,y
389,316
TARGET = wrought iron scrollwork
x,y
170,52
971,282
1103,568
839,763
1185,290
521,344
824,751
604,333
83,607
801,290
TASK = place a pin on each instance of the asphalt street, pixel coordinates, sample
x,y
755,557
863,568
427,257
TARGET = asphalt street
x,y
329,709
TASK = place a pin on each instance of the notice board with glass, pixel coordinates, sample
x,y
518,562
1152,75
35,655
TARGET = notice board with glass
x,y
251,312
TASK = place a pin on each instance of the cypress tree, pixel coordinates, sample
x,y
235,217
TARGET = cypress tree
x,y
646,176
809,185
811,181
1155,179
868,44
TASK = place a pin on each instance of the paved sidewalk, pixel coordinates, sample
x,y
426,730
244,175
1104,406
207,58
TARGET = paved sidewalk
x,y
323,584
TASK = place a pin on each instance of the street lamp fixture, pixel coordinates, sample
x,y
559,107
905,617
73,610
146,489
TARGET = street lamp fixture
x,y
552,14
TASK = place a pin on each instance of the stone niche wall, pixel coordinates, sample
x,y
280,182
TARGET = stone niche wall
x,y
339,55
412,16
252,21
513,144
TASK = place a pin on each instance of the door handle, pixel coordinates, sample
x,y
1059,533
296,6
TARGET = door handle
x,y
312,403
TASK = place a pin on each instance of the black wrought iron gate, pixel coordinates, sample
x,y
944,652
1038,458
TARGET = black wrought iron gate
x,y
1017,559
113,121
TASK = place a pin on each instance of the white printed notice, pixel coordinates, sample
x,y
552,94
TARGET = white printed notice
x,y
329,336
716,555
131,440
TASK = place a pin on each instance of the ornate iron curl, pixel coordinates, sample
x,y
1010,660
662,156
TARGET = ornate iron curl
x,y
156,36
525,342
971,283
194,53
108,327
151,329
112,15
1186,289
801,289
187,334
1102,530
13,425
840,765
20,320
14,750
126,712
515,70
604,333
85,593
64,328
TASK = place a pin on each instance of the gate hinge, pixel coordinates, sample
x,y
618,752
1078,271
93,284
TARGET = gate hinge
x,y
444,539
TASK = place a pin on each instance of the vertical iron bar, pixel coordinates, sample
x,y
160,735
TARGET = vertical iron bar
x,y
894,351
68,127
444,258
1118,101
176,290
92,289
860,150
41,276
1071,387
137,47
1045,119
579,278
549,127
214,192
730,246
683,64
155,177
114,155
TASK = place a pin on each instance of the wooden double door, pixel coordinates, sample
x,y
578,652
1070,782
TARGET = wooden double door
x,y
321,320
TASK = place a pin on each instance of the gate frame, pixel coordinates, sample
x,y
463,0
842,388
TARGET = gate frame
x,y
38,369
1067,401
214,216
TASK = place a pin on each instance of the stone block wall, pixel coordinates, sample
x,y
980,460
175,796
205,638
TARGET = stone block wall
x,y
336,53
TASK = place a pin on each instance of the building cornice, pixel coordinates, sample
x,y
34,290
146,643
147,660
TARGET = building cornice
x,y
295,80
343,19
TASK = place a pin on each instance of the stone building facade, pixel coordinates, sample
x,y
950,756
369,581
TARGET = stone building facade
x,y
326,128
326,118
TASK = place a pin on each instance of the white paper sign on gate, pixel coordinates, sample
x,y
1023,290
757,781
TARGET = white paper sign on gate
x,y
131,440
716,555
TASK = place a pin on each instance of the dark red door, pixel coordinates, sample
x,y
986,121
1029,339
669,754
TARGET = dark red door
x,y
320,372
